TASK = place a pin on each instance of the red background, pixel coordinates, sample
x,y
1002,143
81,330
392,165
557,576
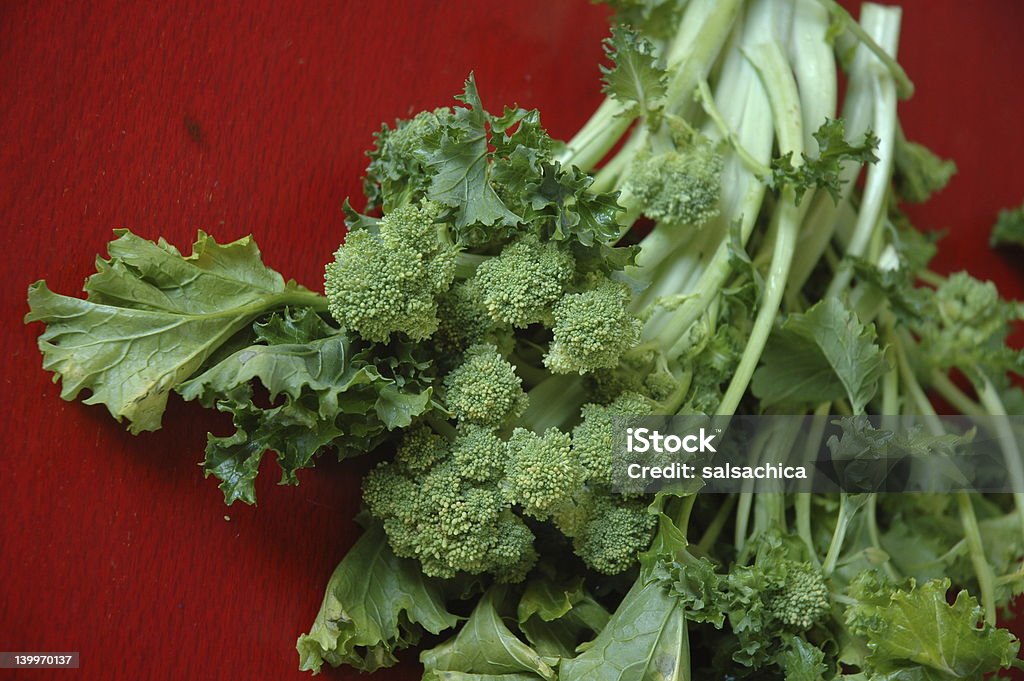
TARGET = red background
x,y
173,117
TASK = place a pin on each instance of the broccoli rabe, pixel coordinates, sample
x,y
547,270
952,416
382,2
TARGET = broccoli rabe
x,y
611,531
450,518
484,389
520,285
486,322
388,282
542,470
797,595
593,438
465,321
592,329
679,187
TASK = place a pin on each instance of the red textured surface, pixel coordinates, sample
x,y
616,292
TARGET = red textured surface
x,y
172,117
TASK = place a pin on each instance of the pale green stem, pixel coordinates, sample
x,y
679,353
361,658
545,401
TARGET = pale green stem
x,y
785,103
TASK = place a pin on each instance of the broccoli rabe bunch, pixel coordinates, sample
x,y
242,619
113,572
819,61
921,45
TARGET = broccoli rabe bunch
x,y
404,275
462,497
504,290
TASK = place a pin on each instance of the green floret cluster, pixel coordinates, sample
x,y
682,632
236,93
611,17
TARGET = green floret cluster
x,y
521,284
593,438
387,281
609,532
679,187
542,470
484,389
798,595
462,497
450,518
592,329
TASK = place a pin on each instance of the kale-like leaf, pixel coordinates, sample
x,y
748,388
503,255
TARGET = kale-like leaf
x,y
485,645
824,172
326,392
151,319
635,78
917,627
821,355
459,162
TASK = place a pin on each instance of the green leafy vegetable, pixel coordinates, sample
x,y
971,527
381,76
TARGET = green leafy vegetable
x,y
824,172
916,625
152,317
505,299
822,355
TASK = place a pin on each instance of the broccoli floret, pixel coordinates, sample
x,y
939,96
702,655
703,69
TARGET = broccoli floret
x,y
592,329
512,554
388,282
593,438
612,532
421,449
450,518
479,454
484,389
797,595
679,187
520,284
390,494
465,321
542,471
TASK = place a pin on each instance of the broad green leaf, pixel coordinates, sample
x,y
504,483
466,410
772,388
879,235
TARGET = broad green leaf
x,y
436,675
152,318
549,600
375,605
485,645
556,616
321,366
645,640
822,355
558,638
